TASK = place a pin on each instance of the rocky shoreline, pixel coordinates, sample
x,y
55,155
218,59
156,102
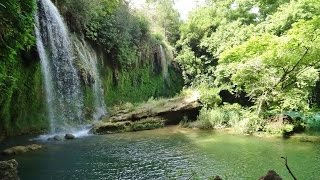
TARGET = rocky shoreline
x,y
150,115
8,170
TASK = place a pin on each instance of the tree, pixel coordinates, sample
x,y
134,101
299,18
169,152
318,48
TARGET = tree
x,y
277,73
164,18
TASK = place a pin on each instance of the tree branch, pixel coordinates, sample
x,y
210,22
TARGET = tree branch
x,y
286,163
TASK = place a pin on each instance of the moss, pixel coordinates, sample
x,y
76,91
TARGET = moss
x,y
88,102
23,106
21,95
138,85
147,124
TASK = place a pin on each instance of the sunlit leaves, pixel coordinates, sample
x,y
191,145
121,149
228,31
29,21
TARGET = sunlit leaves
x,y
288,13
275,71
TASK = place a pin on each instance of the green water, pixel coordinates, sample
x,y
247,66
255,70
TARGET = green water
x,y
170,153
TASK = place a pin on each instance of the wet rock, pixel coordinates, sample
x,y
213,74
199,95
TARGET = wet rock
x,y
58,138
150,115
271,175
215,178
158,108
1,138
21,149
129,126
69,136
8,170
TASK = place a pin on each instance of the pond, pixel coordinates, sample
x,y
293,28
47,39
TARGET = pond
x,y
170,153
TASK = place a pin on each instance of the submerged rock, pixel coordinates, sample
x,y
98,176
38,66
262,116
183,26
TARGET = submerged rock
x,y
69,136
58,138
217,178
8,170
21,149
271,175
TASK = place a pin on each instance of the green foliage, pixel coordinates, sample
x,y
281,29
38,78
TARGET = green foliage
x,y
112,26
139,85
122,33
164,19
209,97
16,28
276,72
211,118
271,55
289,13
79,13
21,98
146,124
233,116
313,122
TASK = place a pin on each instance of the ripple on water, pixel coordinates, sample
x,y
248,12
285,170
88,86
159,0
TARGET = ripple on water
x,y
162,154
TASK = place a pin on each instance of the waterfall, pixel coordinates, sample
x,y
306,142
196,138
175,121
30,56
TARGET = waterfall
x,y
164,63
61,81
89,62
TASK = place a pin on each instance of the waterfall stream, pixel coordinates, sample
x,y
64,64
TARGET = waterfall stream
x,y
61,77
164,63
89,62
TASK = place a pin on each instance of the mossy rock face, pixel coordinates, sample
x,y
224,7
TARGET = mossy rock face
x,y
150,115
147,124
109,128
128,126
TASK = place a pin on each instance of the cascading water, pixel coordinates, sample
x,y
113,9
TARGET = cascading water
x,y
164,63
62,84
89,62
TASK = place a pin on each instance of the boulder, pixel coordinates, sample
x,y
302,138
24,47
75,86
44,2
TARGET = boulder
x,y
69,136
21,149
8,170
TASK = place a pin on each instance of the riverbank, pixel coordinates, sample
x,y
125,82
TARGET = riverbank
x,y
187,111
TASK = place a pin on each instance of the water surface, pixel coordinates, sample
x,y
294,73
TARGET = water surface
x,y
170,153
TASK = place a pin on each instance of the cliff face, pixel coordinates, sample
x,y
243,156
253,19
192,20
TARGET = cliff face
x,y
21,95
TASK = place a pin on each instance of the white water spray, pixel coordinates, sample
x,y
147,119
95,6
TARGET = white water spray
x,y
89,61
164,63
61,81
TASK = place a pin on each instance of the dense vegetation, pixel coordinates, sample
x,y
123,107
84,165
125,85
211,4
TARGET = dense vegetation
x,y
260,56
253,61
21,98
131,68
132,71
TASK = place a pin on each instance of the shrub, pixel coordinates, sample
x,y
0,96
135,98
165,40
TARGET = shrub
x,y
210,118
313,122
230,115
